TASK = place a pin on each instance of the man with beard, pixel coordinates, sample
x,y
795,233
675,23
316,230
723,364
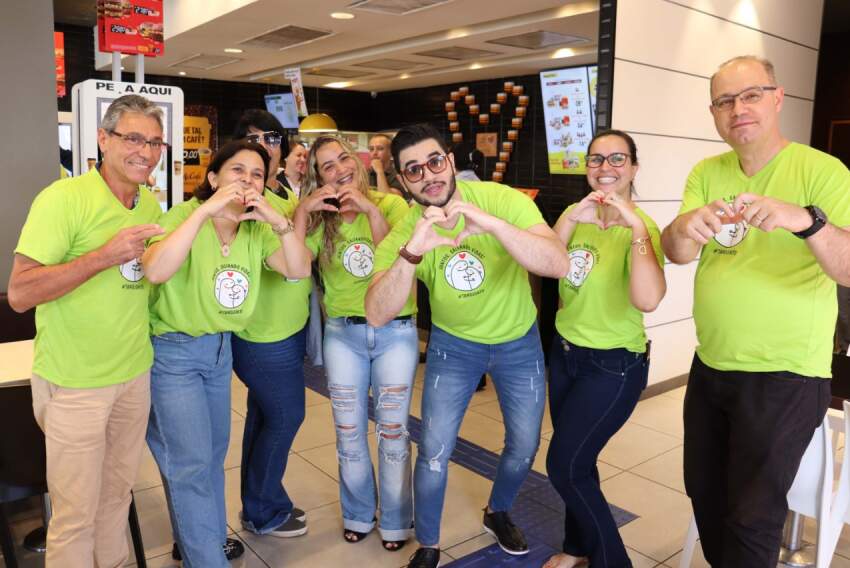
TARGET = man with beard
x,y
485,323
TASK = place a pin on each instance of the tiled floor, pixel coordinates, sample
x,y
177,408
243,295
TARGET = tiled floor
x,y
641,471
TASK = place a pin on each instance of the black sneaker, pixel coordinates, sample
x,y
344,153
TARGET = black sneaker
x,y
233,549
292,527
299,514
425,558
508,535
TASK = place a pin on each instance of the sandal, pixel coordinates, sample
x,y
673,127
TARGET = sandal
x,y
353,537
394,545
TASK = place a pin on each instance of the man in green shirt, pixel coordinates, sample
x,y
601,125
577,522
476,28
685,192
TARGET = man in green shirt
x,y
764,309
472,244
77,262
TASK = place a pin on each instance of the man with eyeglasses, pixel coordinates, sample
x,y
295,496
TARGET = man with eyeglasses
x,y
472,244
764,308
77,262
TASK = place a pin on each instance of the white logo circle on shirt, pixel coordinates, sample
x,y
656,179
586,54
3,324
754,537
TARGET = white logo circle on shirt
x,y
732,234
581,263
464,272
132,270
231,288
358,259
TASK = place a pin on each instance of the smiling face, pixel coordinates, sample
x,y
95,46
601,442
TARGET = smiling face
x,y
296,161
746,124
336,167
434,188
245,167
607,178
122,164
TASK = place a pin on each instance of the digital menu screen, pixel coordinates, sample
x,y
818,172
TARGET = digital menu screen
x,y
569,110
283,107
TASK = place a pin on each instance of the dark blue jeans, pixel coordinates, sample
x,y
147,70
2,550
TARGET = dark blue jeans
x,y
592,392
274,375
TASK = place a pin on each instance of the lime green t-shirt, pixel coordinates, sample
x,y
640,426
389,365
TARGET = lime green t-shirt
x,y
596,310
347,278
761,300
211,293
97,334
283,305
478,291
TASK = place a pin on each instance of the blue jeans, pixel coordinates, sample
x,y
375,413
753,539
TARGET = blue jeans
x,y
592,392
452,372
357,357
274,375
188,434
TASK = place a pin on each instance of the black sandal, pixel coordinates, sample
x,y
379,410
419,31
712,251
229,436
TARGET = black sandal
x,y
353,537
394,545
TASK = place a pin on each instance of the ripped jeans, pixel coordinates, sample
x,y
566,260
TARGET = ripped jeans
x,y
452,372
357,357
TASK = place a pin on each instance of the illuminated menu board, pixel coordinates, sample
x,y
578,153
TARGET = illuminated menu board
x,y
569,110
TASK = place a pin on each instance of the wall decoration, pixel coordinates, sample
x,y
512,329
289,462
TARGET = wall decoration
x,y
463,91
495,108
516,122
513,135
455,95
517,90
450,106
501,98
457,137
484,119
522,100
469,99
454,126
473,109
520,111
487,142
452,116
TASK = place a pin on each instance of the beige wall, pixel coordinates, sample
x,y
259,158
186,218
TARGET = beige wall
x,y
29,159
664,55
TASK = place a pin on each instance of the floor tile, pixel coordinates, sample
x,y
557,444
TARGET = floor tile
x,y
317,429
677,393
665,469
635,444
661,413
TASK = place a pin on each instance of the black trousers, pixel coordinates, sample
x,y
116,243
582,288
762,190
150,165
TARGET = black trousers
x,y
745,434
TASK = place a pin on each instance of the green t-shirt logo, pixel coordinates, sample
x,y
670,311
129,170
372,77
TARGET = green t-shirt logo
x,y
231,288
464,271
581,263
731,234
132,270
358,260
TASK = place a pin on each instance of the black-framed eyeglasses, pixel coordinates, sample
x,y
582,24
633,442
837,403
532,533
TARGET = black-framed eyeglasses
x,y
415,172
749,96
271,138
136,141
616,160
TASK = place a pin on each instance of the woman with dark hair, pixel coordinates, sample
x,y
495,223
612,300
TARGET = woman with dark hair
x,y
207,268
294,166
599,363
346,221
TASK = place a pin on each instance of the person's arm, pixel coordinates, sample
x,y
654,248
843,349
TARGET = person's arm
x,y
356,201
381,182
389,289
683,239
32,283
583,212
537,249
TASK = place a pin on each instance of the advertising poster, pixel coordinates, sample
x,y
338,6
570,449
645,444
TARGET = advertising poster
x,y
197,150
59,56
130,26
282,106
567,111
592,73
293,75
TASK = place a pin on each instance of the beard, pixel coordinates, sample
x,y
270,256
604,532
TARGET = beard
x,y
423,201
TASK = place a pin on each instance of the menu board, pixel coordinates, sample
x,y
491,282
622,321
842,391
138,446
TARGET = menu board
x,y
569,110
130,26
282,106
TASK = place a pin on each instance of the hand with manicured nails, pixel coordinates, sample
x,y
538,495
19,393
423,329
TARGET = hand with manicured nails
x,y
767,213
626,208
586,210
261,211
702,224
216,205
425,238
128,244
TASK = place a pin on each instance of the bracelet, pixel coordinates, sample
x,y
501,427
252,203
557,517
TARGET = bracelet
x,y
641,242
283,229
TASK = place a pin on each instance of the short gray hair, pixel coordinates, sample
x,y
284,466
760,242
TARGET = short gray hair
x,y
765,63
130,103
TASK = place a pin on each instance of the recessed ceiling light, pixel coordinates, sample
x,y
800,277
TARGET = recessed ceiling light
x,y
181,73
339,85
232,50
475,66
404,76
342,16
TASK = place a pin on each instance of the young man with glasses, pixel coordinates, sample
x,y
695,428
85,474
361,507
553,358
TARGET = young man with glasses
x,y
77,262
472,244
764,308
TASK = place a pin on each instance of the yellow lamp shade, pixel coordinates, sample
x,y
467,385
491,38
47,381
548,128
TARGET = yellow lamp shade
x,y
317,122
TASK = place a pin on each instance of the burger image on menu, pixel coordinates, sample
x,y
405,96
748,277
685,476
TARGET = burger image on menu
x,y
555,123
109,9
151,31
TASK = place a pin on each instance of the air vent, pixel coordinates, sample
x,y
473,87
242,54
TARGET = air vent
x,y
395,7
390,64
539,40
205,62
336,72
458,53
287,36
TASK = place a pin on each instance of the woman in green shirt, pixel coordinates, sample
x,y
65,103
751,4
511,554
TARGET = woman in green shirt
x,y
346,221
598,362
208,269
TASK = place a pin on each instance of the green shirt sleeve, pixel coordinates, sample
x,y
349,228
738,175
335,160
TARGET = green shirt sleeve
x,y
401,232
514,206
271,242
172,218
830,190
48,233
695,195
394,209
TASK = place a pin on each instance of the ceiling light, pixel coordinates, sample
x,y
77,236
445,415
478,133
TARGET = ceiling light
x,y
563,52
475,66
404,76
317,122
342,16
181,73
232,50
339,85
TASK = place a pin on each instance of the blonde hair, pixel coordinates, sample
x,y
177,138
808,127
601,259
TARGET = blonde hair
x,y
313,182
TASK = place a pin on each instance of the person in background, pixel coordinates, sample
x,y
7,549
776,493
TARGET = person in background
x,y
208,270
77,263
598,364
294,166
469,161
268,357
346,221
382,172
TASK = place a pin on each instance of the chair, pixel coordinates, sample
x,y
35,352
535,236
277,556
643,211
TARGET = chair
x,y
810,494
23,468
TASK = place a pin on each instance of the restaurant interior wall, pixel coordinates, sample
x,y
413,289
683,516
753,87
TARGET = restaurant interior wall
x,y
832,105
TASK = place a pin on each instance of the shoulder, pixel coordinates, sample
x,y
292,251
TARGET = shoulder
x,y
648,221
812,158
182,210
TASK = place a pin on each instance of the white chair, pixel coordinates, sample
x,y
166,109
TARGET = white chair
x,y
811,492
839,513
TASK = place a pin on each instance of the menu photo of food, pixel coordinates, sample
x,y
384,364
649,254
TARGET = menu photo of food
x,y
567,112
131,26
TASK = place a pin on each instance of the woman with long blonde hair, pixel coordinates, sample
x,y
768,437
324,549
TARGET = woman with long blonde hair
x,y
345,221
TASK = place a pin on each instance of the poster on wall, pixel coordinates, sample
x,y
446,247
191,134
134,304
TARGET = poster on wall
x,y
568,115
293,75
130,27
59,57
197,150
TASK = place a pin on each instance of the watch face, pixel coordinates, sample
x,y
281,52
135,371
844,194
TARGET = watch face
x,y
818,214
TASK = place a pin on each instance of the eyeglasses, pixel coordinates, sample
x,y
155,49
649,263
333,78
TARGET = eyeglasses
x,y
136,141
617,160
415,172
748,96
271,138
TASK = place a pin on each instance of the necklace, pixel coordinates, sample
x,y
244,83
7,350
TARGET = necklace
x,y
225,243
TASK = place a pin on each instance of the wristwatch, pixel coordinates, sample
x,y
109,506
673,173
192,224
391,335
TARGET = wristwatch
x,y
818,222
409,256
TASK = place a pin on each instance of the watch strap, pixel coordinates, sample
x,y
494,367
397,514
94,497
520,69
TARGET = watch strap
x,y
818,222
409,256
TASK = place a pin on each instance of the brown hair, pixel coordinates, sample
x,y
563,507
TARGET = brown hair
x,y
205,190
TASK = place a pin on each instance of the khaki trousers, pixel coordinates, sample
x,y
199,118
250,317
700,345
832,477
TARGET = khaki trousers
x,y
94,441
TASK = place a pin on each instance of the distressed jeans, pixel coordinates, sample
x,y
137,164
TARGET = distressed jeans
x,y
452,372
357,357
